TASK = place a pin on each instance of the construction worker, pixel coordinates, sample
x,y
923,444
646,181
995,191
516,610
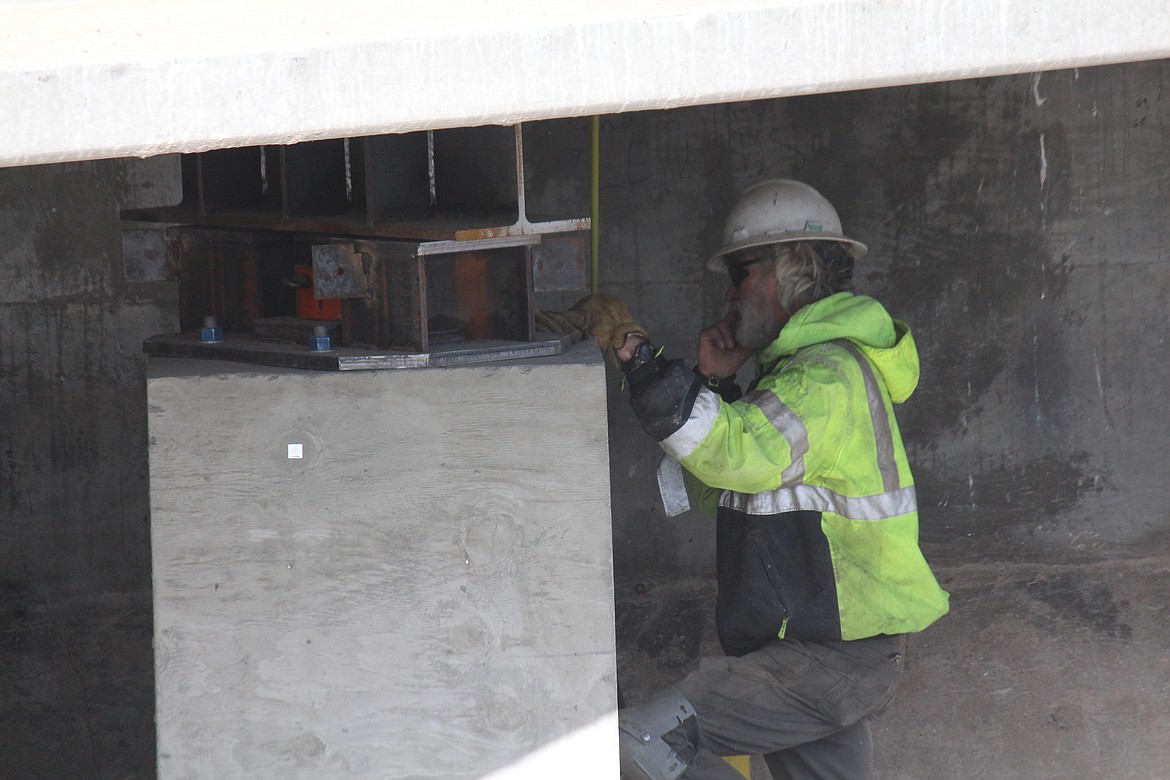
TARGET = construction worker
x,y
819,571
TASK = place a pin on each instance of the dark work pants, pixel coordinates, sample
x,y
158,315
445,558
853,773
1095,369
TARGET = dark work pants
x,y
805,706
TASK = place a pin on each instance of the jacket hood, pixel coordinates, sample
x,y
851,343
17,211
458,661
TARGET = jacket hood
x,y
887,342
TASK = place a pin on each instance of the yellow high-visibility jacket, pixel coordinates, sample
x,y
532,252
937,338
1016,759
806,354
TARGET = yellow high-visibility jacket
x,y
817,534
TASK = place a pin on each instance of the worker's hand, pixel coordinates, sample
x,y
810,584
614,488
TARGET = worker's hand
x,y
626,352
719,354
611,323
605,317
565,323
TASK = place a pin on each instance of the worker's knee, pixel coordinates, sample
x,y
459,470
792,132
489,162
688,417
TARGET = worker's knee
x,y
645,755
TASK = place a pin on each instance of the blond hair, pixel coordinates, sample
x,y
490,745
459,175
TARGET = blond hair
x,y
811,270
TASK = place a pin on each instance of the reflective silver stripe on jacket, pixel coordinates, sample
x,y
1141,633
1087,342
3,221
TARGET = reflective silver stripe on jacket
x,y
814,498
797,496
703,415
894,501
882,434
789,425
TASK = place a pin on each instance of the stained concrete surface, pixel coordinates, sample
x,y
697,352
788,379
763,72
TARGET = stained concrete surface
x,y
1016,223
78,686
76,666
1040,671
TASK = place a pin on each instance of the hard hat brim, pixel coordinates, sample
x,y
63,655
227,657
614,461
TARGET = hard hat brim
x,y
718,261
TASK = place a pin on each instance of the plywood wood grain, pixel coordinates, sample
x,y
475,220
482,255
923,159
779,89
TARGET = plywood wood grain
x,y
425,593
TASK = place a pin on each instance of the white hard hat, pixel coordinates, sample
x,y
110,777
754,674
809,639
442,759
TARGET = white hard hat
x,y
780,211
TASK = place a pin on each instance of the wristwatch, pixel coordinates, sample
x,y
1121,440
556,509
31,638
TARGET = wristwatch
x,y
643,354
723,386
716,383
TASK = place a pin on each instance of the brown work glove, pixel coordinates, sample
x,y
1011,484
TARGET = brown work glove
x,y
605,317
565,323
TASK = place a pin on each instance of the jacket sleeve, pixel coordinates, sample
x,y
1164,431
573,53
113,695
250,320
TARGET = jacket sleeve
x,y
762,441
662,395
703,497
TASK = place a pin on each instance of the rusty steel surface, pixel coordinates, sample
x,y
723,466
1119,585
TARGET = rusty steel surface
x,y
461,272
293,330
243,349
559,263
313,187
339,271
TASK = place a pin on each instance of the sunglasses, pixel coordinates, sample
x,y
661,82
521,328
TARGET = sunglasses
x,y
739,271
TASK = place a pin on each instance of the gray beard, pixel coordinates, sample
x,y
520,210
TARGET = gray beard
x,y
756,327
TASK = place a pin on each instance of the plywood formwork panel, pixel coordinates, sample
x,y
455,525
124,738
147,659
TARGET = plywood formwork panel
x,y
426,591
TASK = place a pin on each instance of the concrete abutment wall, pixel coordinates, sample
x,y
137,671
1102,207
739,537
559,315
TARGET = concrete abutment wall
x,y
1019,226
1017,223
